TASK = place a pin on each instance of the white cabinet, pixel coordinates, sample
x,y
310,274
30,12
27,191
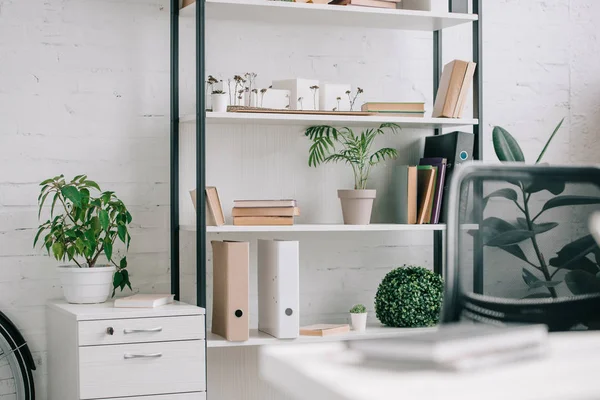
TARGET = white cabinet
x,y
101,352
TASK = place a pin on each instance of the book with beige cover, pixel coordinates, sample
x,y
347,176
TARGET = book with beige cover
x,y
251,221
448,92
405,188
464,90
425,188
324,329
265,212
230,314
213,209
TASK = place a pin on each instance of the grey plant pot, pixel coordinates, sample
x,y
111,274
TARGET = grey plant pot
x,y
357,205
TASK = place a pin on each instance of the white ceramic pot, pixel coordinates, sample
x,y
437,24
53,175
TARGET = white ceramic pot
x,y
359,322
357,206
86,285
219,102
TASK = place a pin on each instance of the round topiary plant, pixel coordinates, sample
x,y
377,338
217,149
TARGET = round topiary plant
x,y
409,296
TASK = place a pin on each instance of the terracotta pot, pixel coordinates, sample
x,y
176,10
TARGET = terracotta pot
x,y
357,206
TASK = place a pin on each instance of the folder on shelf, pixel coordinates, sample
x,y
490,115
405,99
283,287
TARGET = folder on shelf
x,y
405,187
440,164
426,184
279,288
230,315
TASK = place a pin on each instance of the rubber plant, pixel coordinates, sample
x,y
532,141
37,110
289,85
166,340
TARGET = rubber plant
x,y
582,274
343,145
87,226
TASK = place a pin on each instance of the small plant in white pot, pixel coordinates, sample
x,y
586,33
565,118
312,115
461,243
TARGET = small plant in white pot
x,y
358,315
219,101
85,228
342,145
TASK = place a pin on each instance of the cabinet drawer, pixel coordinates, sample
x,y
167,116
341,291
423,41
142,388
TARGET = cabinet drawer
x,y
183,396
141,369
141,330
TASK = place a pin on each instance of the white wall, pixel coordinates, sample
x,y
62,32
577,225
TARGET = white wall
x,y
84,88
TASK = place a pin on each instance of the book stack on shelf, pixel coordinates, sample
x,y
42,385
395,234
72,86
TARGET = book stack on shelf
x,y
420,191
454,87
413,109
369,3
264,212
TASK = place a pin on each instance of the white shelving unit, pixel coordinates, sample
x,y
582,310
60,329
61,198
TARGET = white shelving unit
x,y
346,120
325,228
281,12
258,338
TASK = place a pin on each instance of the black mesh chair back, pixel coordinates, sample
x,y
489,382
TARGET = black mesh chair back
x,y
520,247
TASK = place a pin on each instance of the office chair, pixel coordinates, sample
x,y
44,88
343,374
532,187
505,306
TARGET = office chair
x,y
519,247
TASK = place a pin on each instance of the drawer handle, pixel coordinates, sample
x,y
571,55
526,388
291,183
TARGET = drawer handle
x,y
127,331
127,356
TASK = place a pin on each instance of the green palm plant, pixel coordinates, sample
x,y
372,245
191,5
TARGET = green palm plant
x,y
332,145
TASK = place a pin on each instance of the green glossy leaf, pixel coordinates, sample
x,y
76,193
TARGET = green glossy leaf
x,y
505,146
122,231
117,279
108,250
80,244
37,235
58,250
93,185
95,224
123,263
71,193
125,279
42,204
571,255
129,217
47,181
509,238
76,178
70,252
582,282
104,221
537,228
56,197
549,140
516,251
570,200
534,282
554,186
507,193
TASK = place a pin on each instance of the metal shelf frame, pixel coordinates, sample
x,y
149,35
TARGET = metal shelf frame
x,y
455,6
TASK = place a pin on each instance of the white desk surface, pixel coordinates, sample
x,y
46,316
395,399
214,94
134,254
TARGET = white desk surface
x,y
330,371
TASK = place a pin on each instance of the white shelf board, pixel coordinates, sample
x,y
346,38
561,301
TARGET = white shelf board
x,y
324,228
258,338
346,120
280,12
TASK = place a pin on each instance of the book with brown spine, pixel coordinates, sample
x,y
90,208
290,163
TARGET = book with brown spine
x,y
265,212
251,221
324,329
449,89
425,187
367,3
393,107
263,203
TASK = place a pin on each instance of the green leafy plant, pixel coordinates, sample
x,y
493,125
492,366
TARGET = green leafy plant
x,y
355,149
358,309
540,272
86,226
409,296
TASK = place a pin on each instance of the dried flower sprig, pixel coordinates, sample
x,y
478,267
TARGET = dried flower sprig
x,y
315,90
353,99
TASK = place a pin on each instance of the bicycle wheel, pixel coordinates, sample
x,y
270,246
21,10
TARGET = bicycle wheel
x,y
16,379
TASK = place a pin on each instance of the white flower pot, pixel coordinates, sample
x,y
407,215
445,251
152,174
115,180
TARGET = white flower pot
x,y
86,285
359,322
219,102
357,206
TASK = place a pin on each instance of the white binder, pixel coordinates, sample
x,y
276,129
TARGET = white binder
x,y
279,288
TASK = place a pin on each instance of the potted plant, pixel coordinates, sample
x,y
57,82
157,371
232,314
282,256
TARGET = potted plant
x,y
355,151
85,229
358,315
219,101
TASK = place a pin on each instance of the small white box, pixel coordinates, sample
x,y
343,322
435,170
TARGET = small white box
x,y
302,97
277,99
329,93
439,6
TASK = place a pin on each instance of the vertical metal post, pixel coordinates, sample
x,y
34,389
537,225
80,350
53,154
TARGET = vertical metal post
x,y
174,149
200,158
438,242
478,151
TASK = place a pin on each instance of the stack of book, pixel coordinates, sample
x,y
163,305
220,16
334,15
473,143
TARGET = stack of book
x,y
264,212
454,87
419,191
369,3
414,109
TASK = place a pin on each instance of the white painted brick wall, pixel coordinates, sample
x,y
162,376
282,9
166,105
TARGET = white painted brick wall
x,y
84,88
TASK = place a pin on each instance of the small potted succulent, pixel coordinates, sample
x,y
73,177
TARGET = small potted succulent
x,y
358,316
219,101
84,230
342,145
